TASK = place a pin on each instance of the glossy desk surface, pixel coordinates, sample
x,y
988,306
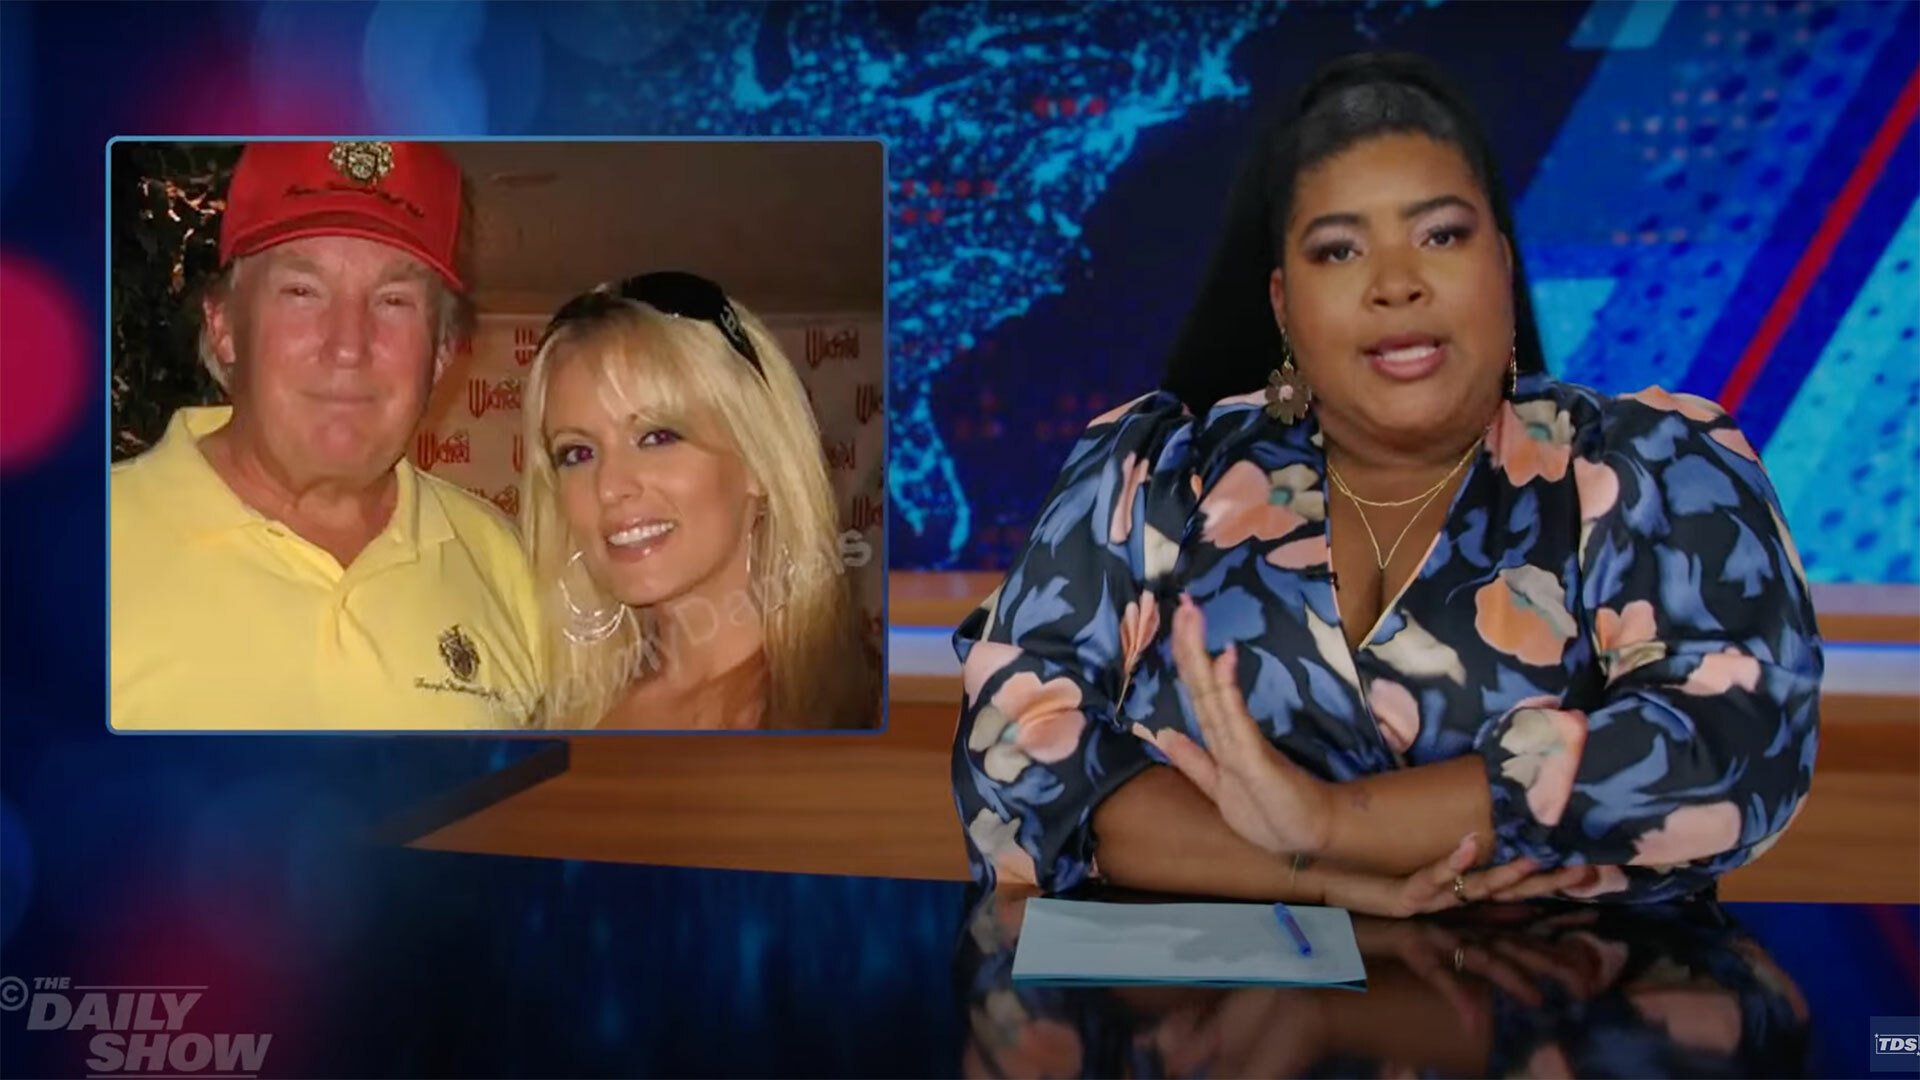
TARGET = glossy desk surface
x,y
431,963
1695,990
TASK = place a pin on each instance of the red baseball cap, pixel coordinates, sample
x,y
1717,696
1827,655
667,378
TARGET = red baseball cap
x,y
403,194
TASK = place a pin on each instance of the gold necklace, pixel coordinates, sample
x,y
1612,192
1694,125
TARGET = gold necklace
x,y
1438,484
1425,499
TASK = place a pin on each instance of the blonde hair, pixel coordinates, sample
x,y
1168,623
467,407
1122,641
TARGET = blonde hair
x,y
681,373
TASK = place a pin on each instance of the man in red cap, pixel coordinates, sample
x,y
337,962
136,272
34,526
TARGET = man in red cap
x,y
277,563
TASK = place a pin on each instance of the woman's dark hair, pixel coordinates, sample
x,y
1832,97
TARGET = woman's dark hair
x,y
1229,341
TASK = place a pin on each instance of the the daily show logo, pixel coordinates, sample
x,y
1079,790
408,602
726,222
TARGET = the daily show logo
x,y
135,1030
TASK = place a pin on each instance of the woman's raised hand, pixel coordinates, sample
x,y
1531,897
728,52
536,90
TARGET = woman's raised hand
x,y
1265,798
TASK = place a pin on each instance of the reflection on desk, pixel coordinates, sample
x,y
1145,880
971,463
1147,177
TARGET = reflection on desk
x,y
1657,991
410,963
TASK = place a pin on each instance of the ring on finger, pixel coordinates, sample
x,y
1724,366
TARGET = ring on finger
x,y
1460,888
1459,959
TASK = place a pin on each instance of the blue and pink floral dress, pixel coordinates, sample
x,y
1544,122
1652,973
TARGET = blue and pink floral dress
x,y
1613,617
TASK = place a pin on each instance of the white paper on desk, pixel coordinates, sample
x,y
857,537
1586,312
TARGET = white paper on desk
x,y
1083,941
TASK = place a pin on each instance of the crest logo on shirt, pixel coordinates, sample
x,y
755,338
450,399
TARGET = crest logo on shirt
x,y
456,648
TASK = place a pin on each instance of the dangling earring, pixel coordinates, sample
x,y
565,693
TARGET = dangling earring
x,y
753,541
1288,396
771,599
1513,371
588,626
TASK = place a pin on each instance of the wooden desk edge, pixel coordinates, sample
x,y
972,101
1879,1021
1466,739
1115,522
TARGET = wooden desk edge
x,y
437,812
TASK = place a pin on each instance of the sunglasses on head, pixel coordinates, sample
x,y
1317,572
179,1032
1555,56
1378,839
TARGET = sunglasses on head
x,y
673,293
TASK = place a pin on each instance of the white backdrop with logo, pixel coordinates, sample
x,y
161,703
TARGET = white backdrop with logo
x,y
472,434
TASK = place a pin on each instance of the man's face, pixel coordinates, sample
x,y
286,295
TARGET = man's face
x,y
333,351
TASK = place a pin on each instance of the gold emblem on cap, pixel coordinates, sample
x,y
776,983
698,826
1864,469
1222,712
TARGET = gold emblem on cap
x,y
365,162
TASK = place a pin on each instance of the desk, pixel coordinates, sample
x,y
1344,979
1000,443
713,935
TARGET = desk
x,y
882,805
592,969
475,965
1675,990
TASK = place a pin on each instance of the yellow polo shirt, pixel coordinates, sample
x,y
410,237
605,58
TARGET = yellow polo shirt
x,y
224,619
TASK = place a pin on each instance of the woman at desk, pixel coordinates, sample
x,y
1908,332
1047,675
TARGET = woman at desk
x,y
1361,607
679,517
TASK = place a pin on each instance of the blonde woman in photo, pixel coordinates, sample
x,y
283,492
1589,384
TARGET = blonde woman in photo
x,y
681,526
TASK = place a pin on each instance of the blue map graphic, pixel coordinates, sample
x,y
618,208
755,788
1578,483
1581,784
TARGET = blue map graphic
x,y
1669,163
1006,125
1695,195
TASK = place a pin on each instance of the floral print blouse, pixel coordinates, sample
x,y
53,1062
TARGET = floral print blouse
x,y
1612,617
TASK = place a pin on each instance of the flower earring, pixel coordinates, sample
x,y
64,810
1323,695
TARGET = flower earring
x,y
1288,396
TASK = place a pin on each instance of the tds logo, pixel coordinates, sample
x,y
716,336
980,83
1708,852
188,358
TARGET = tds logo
x,y
1896,1044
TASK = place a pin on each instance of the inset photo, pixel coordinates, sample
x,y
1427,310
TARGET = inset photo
x,y
497,436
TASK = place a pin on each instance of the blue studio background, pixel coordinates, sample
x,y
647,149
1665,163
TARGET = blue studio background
x,y
1719,197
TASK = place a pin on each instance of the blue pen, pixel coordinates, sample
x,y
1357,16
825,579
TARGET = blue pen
x,y
1292,926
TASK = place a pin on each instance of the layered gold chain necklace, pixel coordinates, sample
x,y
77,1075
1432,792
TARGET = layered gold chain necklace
x,y
1425,499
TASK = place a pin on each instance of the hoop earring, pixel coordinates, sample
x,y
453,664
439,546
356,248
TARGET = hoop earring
x,y
1288,395
764,591
588,626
